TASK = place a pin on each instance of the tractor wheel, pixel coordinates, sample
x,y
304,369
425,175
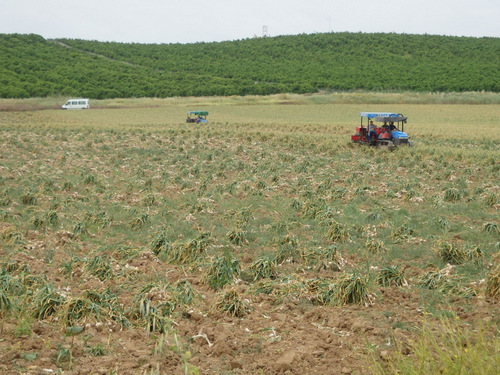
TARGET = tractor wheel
x,y
390,145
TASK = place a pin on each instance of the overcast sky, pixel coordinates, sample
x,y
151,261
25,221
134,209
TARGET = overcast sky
x,y
191,21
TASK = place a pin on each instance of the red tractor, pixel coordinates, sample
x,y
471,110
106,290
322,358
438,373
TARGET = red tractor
x,y
389,132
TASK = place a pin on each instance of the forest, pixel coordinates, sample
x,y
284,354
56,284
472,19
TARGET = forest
x,y
32,66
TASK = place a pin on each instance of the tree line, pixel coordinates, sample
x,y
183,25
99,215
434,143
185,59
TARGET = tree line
x,y
31,66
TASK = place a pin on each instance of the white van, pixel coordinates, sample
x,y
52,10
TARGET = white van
x,y
76,104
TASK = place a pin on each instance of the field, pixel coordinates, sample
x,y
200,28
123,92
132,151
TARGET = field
x,y
261,243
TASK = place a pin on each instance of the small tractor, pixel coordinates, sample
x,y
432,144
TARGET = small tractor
x,y
197,117
389,133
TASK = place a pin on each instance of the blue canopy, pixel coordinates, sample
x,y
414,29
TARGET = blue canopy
x,y
378,114
198,113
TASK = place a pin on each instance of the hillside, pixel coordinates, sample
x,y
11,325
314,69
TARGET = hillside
x,y
31,66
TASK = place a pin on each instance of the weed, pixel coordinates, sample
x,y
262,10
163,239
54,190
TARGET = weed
x,y
29,356
97,350
23,328
164,340
64,355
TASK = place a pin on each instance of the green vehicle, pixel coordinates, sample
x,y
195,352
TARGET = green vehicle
x,y
197,117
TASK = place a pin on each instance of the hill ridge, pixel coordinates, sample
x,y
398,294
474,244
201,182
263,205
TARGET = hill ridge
x,y
32,66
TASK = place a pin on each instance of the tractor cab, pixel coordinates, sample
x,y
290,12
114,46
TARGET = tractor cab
x,y
382,129
197,117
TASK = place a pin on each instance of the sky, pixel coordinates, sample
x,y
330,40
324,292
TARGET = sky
x,y
192,21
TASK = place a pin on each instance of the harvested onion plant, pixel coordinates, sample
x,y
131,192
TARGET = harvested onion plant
x,y
327,258
46,302
493,283
349,288
231,302
450,253
338,232
391,276
264,268
222,270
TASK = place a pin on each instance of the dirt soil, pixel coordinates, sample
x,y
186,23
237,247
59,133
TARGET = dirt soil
x,y
277,336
